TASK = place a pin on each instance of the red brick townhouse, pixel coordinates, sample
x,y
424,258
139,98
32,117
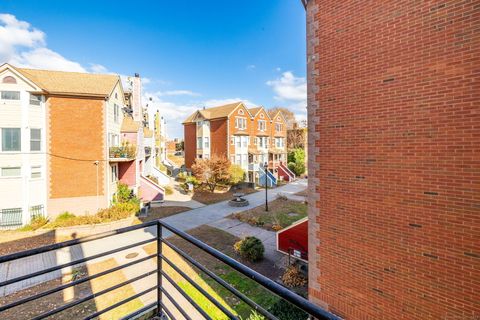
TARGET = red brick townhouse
x,y
394,158
248,137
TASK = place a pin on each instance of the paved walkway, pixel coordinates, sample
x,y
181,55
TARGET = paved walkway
x,y
178,198
208,214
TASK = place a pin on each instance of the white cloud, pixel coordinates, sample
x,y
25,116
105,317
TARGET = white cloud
x,y
177,93
25,46
289,87
251,67
218,102
292,92
176,112
98,68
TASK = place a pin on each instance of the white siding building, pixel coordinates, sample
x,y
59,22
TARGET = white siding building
x,y
22,150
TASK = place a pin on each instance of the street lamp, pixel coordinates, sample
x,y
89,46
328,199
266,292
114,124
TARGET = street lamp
x,y
266,185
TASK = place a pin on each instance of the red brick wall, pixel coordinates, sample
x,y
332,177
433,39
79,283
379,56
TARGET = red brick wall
x,y
218,138
71,160
190,143
394,165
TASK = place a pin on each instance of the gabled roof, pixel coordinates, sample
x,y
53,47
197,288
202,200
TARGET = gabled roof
x,y
61,82
128,125
256,110
215,112
274,115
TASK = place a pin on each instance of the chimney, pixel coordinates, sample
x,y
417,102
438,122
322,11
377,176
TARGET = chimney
x,y
137,97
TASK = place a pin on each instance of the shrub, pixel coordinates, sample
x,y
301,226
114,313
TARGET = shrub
x,y
181,176
250,248
255,316
237,174
286,311
168,190
124,194
293,277
36,223
297,167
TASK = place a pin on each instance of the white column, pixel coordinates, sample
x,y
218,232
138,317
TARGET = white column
x,y
25,149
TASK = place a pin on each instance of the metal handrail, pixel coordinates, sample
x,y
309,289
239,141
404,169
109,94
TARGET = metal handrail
x,y
272,286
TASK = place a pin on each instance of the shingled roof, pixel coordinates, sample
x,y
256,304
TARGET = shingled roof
x,y
215,112
60,82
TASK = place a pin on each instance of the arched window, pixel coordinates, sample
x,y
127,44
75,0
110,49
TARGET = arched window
x,y
9,79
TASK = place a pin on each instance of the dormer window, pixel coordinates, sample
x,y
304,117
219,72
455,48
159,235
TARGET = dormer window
x,y
9,80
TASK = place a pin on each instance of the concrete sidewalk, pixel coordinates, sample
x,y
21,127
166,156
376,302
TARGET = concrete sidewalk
x,y
208,214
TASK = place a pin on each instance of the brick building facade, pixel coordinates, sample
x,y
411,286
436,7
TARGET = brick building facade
x,y
247,137
394,166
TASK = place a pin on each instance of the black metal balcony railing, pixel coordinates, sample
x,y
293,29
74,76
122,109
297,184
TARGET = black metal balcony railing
x,y
159,307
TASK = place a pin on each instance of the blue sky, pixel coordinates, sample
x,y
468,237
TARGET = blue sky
x,y
191,53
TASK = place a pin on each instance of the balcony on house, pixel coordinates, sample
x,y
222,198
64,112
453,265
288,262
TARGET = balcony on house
x,y
164,280
122,153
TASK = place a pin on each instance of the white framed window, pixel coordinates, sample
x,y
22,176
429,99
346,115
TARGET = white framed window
x,y
35,99
262,125
239,142
206,142
10,95
238,159
36,172
114,169
11,172
113,139
240,123
199,123
199,143
11,140
116,113
35,139
255,141
278,127
245,141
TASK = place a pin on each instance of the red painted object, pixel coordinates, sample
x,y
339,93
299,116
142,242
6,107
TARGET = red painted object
x,y
293,240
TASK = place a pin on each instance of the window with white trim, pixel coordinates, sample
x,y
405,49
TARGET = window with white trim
x,y
278,127
262,125
10,95
11,140
114,169
11,172
206,142
35,99
36,172
199,143
35,139
116,113
240,123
